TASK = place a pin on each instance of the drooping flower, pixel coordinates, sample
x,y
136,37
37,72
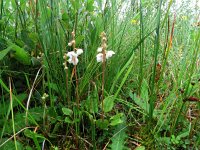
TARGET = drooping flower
x,y
109,54
100,55
73,56
79,51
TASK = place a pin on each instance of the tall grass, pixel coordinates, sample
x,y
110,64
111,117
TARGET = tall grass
x,y
145,87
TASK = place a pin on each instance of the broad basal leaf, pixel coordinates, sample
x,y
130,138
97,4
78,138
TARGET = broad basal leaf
x,y
108,104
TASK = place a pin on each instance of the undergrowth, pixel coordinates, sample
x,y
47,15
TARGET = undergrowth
x,y
93,74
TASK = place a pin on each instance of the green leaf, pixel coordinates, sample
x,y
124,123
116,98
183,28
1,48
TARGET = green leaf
x,y
108,103
67,111
53,86
90,6
10,145
183,135
102,124
79,39
4,52
119,136
68,120
27,40
52,114
142,103
37,138
91,103
116,119
75,4
32,134
140,148
65,16
21,98
20,54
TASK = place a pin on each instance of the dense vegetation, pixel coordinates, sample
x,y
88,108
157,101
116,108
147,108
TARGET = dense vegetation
x,y
140,90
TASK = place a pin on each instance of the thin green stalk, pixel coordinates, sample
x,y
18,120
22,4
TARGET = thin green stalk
x,y
141,47
11,107
157,44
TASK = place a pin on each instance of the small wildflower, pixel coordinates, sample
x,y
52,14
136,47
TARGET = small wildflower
x,y
44,96
99,49
79,51
72,58
102,50
108,55
99,57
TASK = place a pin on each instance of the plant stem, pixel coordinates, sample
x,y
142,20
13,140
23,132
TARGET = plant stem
x,y
157,43
141,48
11,106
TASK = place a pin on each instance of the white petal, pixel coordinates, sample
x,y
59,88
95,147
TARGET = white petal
x,y
99,49
75,61
79,51
109,54
69,54
72,58
72,53
99,57
70,44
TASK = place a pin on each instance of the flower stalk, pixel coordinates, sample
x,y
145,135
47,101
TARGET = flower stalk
x,y
72,58
104,46
102,55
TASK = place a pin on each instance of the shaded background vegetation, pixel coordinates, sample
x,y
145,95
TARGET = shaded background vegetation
x,y
152,88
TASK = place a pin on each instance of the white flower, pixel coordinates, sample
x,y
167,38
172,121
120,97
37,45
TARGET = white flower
x,y
109,54
72,58
99,49
99,57
79,51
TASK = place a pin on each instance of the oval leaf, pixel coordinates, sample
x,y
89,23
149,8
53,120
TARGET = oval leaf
x,y
67,111
108,104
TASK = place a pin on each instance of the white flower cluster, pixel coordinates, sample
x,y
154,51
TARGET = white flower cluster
x,y
100,54
73,56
